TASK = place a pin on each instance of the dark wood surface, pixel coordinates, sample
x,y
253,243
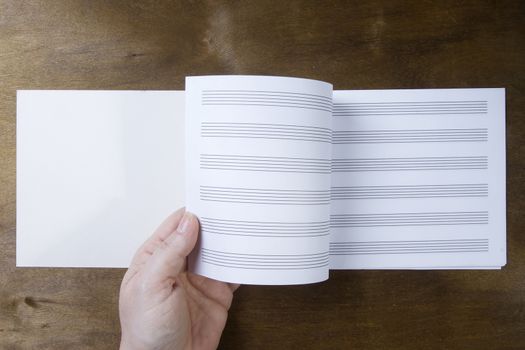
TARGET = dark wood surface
x,y
354,45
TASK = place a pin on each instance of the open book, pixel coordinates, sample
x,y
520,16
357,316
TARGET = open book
x,y
288,177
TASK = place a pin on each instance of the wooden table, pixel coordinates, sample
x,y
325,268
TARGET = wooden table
x,y
355,45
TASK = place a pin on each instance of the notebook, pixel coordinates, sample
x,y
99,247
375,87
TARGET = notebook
x,y
288,177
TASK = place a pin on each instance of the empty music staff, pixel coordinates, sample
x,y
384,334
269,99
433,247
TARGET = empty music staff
x,y
265,164
266,131
265,261
265,228
418,108
415,163
410,136
266,98
410,191
264,196
410,219
410,247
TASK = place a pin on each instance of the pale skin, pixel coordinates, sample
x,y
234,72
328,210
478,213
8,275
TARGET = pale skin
x,y
162,305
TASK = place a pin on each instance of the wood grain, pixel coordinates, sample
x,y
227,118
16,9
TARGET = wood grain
x,y
355,45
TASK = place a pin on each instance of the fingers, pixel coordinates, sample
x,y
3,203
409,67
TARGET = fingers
x,y
234,286
155,240
168,260
218,291
211,285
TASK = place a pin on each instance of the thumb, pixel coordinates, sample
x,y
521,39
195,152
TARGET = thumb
x,y
168,260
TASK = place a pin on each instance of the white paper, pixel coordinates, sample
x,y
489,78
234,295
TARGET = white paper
x,y
97,171
258,165
395,179
418,179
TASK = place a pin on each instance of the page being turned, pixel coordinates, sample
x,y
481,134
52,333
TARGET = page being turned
x,y
258,170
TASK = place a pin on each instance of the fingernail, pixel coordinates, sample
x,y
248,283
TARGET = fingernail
x,y
184,224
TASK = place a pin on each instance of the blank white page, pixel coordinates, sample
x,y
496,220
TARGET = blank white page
x,y
97,171
418,179
258,166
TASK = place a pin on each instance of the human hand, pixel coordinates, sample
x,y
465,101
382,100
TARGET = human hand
x,y
162,306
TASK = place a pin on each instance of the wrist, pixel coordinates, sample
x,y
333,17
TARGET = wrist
x,y
127,344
